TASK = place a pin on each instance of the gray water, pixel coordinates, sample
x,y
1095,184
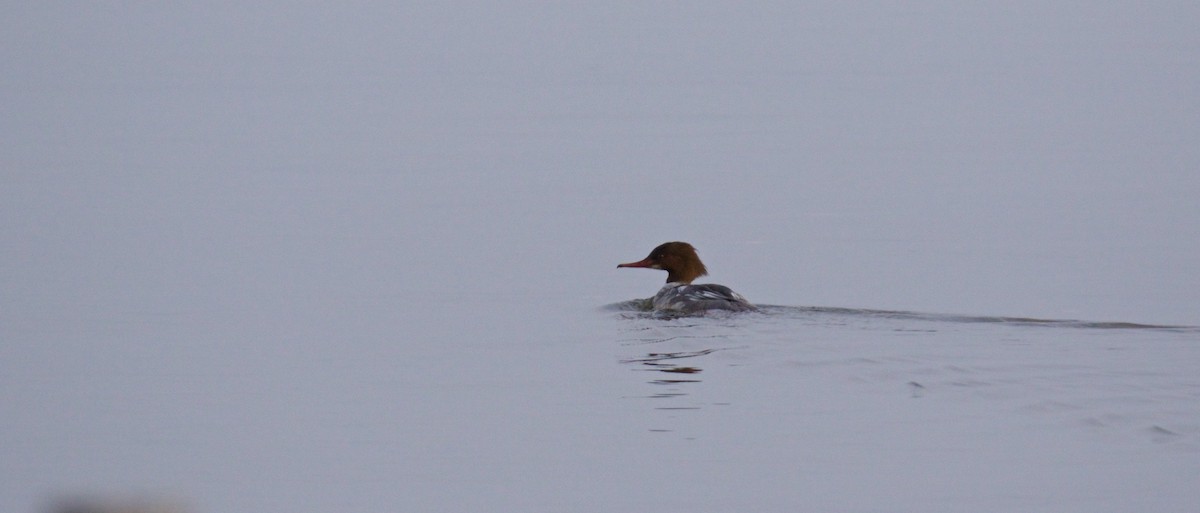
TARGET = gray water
x,y
302,258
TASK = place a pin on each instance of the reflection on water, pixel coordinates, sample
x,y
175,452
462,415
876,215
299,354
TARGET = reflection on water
x,y
662,362
696,337
909,355
655,358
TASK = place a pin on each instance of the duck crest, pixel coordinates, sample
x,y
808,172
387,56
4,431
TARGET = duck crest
x,y
680,261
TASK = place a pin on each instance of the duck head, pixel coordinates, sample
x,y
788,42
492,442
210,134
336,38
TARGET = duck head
x,y
678,259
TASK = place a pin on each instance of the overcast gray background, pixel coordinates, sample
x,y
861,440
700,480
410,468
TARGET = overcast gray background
x,y
418,175
1018,158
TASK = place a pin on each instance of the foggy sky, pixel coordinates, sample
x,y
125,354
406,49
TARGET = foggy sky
x,y
1020,158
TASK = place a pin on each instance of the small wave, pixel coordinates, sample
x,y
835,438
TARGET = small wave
x,y
974,319
633,305
643,309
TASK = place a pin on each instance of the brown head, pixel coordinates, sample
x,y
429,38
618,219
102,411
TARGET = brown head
x,y
678,259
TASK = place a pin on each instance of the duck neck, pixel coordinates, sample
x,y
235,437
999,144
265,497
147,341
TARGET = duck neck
x,y
685,275
677,277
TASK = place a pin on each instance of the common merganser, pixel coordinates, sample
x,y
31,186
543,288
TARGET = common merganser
x,y
682,264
